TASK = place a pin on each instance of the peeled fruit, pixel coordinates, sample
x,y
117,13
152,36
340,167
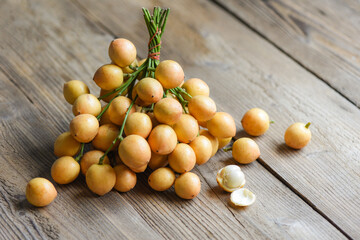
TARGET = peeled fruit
x,y
125,178
150,90
202,108
161,179
109,76
202,148
230,178
214,140
122,52
87,103
118,109
100,179
187,185
195,87
135,152
40,192
138,124
73,89
162,139
84,128
90,158
245,150
169,73
182,159
168,111
222,125
186,128
105,137
298,135
242,197
65,170
66,145
255,122
157,161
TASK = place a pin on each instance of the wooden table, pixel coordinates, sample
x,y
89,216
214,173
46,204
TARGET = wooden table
x,y
298,60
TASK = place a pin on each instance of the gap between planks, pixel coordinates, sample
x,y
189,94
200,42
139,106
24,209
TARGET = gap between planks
x,y
230,12
102,26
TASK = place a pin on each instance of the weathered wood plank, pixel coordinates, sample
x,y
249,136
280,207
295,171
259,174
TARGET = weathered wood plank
x,y
321,35
61,44
244,71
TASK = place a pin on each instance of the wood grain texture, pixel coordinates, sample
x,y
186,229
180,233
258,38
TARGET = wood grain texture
x,y
244,71
320,35
45,43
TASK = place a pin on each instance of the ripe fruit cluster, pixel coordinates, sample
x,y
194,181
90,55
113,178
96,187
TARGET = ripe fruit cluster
x,y
147,116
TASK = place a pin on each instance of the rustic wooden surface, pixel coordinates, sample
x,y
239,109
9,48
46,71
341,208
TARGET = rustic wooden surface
x,y
308,194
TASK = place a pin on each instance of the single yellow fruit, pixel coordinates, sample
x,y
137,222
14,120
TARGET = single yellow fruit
x,y
245,150
100,179
298,135
73,89
40,192
255,122
66,145
65,170
187,185
161,179
125,178
222,125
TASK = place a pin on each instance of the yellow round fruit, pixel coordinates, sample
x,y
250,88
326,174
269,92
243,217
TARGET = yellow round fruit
x,y
40,192
162,139
125,178
122,52
170,74
186,128
202,108
161,179
138,124
245,150
86,104
66,145
214,140
100,179
255,122
109,76
222,125
84,128
118,109
135,152
65,170
105,137
182,159
73,89
157,161
168,111
298,135
149,90
202,148
90,158
195,87
187,185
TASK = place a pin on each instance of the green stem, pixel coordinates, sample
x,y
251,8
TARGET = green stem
x,y
307,125
119,137
271,122
79,156
182,90
227,149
